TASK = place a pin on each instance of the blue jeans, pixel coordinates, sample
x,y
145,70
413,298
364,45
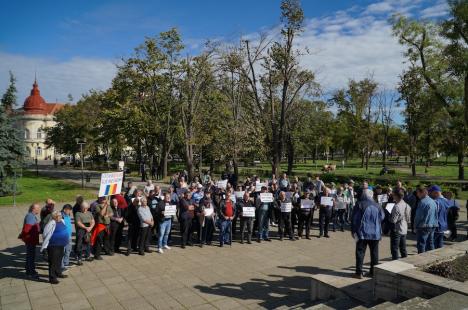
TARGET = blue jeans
x,y
438,240
30,259
425,239
66,254
225,233
164,230
263,223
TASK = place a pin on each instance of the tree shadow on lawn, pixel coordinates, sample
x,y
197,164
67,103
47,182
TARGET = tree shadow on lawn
x,y
281,291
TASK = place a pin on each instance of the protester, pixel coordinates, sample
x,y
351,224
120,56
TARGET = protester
x,y
84,223
340,205
264,209
66,215
285,206
146,222
186,215
305,215
46,213
435,192
165,223
366,230
30,236
208,212
452,215
246,222
116,226
425,221
100,234
400,217
77,206
226,214
55,238
133,222
325,213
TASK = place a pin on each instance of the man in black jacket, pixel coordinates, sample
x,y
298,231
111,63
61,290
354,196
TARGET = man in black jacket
x,y
186,215
133,225
246,221
285,207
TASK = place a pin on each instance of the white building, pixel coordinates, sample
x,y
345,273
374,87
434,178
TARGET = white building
x,y
32,119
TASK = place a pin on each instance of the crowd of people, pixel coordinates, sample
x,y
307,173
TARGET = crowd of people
x,y
206,213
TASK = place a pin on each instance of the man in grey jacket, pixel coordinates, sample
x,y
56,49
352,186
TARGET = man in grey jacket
x,y
400,217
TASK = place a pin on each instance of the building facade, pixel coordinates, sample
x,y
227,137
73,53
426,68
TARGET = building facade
x,y
32,119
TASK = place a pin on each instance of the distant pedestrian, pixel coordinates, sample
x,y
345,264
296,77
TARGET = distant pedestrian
x,y
400,218
435,192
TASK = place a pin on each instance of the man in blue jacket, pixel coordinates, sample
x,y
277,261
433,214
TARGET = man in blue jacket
x,y
435,192
366,230
425,221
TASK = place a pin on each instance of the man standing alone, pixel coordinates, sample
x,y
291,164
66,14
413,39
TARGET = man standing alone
x,y
366,230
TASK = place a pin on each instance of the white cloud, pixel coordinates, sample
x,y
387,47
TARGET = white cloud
x,y
379,7
440,9
56,79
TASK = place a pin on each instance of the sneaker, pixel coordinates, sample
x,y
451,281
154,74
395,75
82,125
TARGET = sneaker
x,y
53,281
357,276
62,276
160,251
166,247
79,262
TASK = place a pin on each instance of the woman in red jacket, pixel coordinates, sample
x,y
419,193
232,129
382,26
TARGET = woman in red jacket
x,y
30,236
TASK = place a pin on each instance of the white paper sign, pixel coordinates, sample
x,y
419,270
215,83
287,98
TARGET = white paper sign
x,y
111,184
248,211
286,207
382,198
307,204
222,184
209,211
258,186
389,207
121,165
266,197
239,195
170,210
326,201
233,198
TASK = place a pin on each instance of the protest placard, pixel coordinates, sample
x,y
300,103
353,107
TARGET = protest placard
x,y
248,211
382,198
233,198
389,207
111,184
307,204
239,195
258,186
266,197
286,207
222,184
209,211
326,201
170,210
181,191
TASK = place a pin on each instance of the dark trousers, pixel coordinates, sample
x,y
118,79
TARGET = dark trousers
x,y
55,255
81,244
132,241
207,230
324,221
115,235
340,218
285,225
187,230
30,259
397,241
361,246
294,218
234,225
246,223
145,236
102,240
305,219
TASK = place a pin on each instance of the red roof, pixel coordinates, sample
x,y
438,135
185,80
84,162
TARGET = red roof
x,y
35,104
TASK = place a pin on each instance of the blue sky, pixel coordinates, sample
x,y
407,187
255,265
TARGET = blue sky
x,y
74,45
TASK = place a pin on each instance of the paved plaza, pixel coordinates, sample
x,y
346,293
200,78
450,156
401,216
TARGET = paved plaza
x,y
266,275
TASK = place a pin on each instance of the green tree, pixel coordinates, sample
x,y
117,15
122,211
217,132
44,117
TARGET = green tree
x,y
9,97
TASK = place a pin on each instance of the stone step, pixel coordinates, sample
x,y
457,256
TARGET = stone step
x,y
359,308
383,305
407,304
449,300
335,304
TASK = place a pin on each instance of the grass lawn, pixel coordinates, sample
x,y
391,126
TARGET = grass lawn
x,y
38,189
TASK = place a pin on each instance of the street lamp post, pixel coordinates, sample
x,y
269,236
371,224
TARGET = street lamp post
x,y
37,166
81,142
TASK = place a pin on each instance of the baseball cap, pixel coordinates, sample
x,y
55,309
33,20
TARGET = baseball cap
x,y
434,188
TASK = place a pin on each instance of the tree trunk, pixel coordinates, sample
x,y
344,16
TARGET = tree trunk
x,y
461,162
290,155
189,159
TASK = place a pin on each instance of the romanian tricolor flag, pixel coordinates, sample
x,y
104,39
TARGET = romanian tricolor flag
x,y
111,189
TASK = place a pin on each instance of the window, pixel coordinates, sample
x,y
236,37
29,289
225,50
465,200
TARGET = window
x,y
26,133
38,151
39,133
